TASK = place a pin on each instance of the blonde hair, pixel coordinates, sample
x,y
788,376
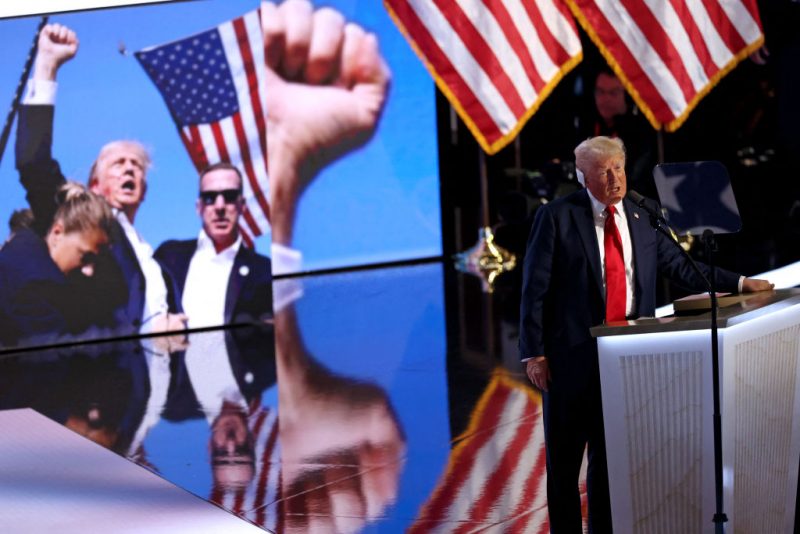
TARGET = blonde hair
x,y
80,210
596,148
108,147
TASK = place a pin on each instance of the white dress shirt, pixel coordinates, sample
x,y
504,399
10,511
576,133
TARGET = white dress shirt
x,y
40,93
206,284
159,375
155,289
211,375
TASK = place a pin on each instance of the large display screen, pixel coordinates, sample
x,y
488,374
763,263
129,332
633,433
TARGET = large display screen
x,y
350,172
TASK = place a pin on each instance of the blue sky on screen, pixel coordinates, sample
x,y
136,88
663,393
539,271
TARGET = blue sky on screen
x,y
380,203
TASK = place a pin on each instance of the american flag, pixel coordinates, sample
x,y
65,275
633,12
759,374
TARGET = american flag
x,y
495,60
669,55
253,502
496,473
213,84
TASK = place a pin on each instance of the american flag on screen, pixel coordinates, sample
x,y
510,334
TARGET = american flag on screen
x,y
495,60
253,502
669,55
496,473
213,84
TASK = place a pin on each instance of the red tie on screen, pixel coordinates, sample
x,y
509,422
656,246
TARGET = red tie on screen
x,y
616,292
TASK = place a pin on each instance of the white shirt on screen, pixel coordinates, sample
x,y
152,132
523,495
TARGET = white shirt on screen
x,y
155,289
207,282
211,375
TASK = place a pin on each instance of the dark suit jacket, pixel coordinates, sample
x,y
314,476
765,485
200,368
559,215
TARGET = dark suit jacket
x,y
562,292
249,294
34,294
38,303
250,350
118,285
109,378
251,354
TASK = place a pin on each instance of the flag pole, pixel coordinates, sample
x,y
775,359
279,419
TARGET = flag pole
x,y
26,71
485,258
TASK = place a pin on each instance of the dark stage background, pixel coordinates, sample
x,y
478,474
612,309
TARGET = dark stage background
x,y
748,122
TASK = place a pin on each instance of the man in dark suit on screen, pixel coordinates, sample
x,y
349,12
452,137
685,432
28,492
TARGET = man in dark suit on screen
x,y
219,280
128,290
592,257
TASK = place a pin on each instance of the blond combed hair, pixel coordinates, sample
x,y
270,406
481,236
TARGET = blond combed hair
x,y
596,148
80,210
121,143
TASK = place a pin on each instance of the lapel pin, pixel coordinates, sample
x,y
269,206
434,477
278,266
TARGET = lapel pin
x,y
244,270
635,215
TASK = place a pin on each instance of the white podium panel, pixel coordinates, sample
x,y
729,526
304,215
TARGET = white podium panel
x,y
657,406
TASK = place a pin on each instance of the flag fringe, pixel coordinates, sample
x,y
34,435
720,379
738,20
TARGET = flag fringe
x,y
678,121
721,73
612,62
565,69
500,377
490,148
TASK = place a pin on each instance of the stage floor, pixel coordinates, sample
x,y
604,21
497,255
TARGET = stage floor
x,y
380,400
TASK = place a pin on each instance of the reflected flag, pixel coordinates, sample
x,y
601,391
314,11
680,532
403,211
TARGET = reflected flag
x,y
256,501
496,473
495,60
213,85
669,55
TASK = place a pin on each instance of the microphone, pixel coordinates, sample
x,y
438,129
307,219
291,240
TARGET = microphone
x,y
641,202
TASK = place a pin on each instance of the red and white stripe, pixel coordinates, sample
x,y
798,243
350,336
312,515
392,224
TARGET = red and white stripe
x,y
240,139
496,474
670,53
256,502
495,60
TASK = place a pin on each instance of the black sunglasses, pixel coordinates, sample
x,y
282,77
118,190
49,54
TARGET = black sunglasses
x,y
229,195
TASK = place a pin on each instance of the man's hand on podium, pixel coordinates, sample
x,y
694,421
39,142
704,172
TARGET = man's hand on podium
x,y
753,285
538,372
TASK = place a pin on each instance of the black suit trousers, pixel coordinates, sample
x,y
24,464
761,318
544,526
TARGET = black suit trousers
x,y
573,422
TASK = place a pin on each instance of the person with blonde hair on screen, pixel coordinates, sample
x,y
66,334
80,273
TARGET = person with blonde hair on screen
x,y
37,299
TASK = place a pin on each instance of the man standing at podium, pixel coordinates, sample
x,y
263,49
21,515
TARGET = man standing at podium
x,y
592,257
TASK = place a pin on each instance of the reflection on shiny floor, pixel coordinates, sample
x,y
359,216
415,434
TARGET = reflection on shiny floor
x,y
365,407
52,480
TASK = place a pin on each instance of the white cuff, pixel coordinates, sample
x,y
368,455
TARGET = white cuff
x,y
285,292
40,92
741,284
285,260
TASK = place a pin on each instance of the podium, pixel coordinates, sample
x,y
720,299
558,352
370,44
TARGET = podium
x,y
656,386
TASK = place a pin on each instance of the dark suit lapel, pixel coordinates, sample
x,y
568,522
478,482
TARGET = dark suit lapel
x,y
123,252
239,274
182,266
584,222
639,229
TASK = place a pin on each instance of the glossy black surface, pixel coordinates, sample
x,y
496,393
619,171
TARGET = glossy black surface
x,y
382,400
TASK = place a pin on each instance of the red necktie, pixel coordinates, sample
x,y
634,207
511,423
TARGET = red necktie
x,y
616,292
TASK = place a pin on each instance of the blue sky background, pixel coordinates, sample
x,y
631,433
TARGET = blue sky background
x,y
385,327
380,203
